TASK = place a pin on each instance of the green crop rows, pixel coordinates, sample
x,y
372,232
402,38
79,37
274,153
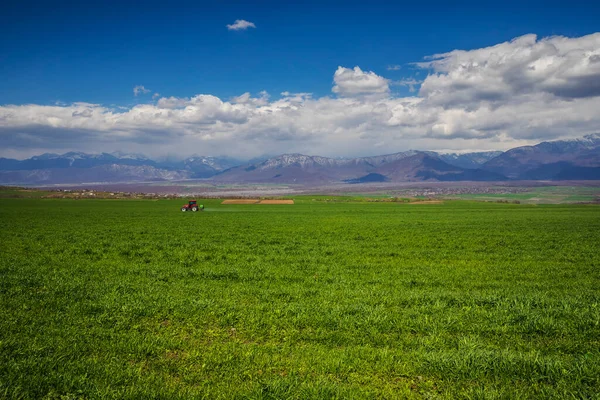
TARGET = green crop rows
x,y
135,299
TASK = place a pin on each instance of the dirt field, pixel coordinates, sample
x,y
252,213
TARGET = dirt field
x,y
427,202
256,201
241,201
276,202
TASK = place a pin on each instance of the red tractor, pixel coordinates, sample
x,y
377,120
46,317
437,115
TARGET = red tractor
x,y
192,206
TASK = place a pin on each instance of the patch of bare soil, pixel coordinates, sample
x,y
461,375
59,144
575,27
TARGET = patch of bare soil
x,y
427,202
241,201
276,202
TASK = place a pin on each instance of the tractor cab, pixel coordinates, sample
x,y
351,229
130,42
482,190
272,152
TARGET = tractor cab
x,y
192,205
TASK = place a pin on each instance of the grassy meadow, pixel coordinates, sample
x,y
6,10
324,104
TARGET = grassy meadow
x,y
131,299
542,194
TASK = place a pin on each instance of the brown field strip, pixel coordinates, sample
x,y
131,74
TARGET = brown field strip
x,y
241,201
427,202
276,202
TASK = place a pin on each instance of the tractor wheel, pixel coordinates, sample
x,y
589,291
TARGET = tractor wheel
x,y
194,209
183,209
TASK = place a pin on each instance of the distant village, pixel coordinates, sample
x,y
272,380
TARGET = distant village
x,y
394,195
98,194
365,193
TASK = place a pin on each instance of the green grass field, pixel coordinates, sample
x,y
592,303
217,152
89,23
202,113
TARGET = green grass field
x,y
541,195
135,299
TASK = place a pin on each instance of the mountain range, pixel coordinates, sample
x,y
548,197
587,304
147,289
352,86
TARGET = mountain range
x,y
77,167
577,159
407,166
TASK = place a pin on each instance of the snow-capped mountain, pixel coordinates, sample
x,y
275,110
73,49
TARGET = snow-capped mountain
x,y
467,160
298,168
131,156
304,161
205,167
561,159
105,167
574,159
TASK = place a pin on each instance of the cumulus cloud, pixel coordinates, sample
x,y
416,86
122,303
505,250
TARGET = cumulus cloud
x,y
514,93
246,98
355,82
86,113
561,67
240,25
295,97
172,102
137,90
411,83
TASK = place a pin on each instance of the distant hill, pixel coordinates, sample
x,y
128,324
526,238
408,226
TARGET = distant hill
x,y
423,167
561,159
577,159
407,166
467,160
96,174
300,168
76,167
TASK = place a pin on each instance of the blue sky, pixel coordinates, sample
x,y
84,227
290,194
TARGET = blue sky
x,y
96,52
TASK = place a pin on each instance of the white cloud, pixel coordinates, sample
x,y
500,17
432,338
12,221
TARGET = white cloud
x,y
87,113
241,99
514,93
394,67
295,97
155,96
246,98
172,102
355,82
137,90
412,83
562,67
240,24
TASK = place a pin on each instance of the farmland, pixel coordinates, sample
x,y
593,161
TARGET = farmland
x,y
320,299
